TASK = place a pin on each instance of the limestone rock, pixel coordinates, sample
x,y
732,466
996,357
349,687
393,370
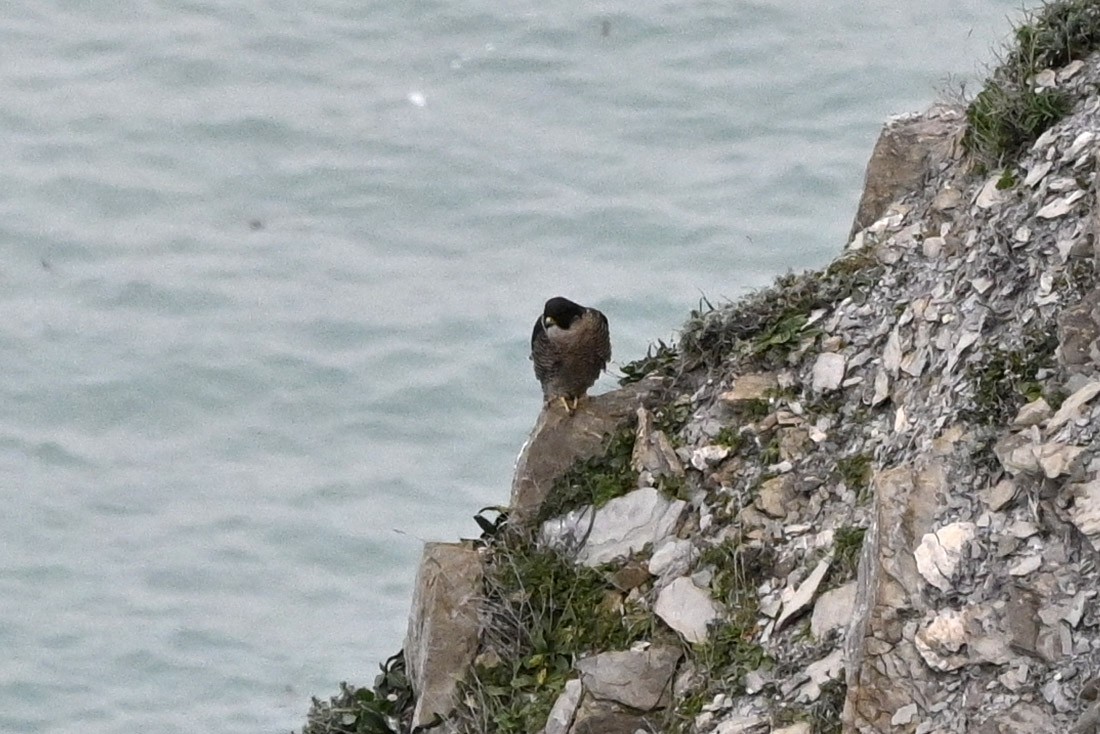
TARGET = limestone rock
x,y
821,672
615,723
1085,513
751,387
1032,414
801,598
686,608
999,495
802,727
653,452
673,557
558,440
564,709
1071,407
775,495
941,641
621,527
443,627
940,552
907,149
638,679
743,724
833,610
828,372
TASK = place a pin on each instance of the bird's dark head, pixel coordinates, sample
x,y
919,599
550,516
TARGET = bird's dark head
x,y
560,312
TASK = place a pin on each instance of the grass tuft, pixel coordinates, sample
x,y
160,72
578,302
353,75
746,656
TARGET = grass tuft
x,y
544,612
1010,113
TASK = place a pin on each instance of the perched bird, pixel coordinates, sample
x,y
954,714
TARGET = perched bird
x,y
570,346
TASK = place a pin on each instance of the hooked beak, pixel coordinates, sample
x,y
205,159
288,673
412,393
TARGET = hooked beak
x,y
547,322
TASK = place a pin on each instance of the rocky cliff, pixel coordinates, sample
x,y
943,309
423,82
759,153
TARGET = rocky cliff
x,y
866,499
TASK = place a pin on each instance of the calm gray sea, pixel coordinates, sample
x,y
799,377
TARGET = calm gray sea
x,y
268,270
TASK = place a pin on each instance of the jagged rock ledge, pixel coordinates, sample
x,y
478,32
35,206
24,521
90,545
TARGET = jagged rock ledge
x,y
864,500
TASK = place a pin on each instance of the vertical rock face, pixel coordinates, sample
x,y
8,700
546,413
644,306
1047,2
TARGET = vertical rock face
x,y
910,150
443,627
559,440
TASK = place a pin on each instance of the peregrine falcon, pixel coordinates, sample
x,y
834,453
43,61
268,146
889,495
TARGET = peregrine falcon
x,y
570,346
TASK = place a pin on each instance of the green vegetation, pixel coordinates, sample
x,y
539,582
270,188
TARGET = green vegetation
x,y
824,713
594,481
772,323
1009,114
661,358
1005,379
731,650
847,544
732,437
855,472
385,709
546,612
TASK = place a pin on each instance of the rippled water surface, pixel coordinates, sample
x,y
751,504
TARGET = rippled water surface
x,y
268,269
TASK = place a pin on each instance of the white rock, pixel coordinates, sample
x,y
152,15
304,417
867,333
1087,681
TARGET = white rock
x,y
1071,408
939,553
741,724
904,715
882,388
990,195
1070,70
1036,174
933,247
1022,529
1056,459
1079,143
1045,79
999,495
674,556
621,527
828,371
706,456
1014,678
1059,207
805,592
891,352
1026,566
686,608
563,710
940,641
1046,138
821,672
833,610
801,727
635,678
1033,413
